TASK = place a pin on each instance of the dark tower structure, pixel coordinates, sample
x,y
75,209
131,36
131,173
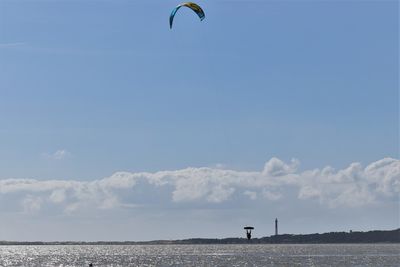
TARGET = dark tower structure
x,y
276,226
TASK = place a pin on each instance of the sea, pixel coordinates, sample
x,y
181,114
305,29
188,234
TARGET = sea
x,y
202,255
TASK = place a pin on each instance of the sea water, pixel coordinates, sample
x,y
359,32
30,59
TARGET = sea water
x,y
202,255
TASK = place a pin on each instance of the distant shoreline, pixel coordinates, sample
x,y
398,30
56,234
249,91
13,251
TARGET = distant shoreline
x,y
376,236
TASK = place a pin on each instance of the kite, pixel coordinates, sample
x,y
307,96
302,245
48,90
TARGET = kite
x,y
196,8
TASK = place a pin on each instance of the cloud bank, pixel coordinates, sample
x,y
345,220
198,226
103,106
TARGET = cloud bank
x,y
351,187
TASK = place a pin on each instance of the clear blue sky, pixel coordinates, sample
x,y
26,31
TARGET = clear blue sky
x,y
90,88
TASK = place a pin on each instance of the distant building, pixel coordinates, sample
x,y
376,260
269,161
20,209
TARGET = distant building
x,y
276,226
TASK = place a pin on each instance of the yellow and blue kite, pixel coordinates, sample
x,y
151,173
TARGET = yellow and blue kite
x,y
196,8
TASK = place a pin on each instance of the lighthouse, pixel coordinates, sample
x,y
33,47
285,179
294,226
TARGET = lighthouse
x,y
276,226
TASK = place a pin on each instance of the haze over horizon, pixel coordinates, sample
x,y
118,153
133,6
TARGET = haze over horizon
x,y
114,127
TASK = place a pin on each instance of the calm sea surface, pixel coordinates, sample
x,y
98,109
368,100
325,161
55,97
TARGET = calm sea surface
x,y
202,255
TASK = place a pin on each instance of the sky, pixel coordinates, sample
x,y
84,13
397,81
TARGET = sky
x,y
115,127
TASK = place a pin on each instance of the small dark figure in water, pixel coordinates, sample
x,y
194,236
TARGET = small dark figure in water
x,y
248,233
90,264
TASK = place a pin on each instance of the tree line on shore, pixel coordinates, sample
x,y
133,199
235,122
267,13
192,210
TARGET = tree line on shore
x,y
389,236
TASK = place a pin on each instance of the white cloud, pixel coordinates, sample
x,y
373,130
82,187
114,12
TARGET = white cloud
x,y
220,193
57,155
273,196
57,196
353,186
251,194
220,166
31,203
276,167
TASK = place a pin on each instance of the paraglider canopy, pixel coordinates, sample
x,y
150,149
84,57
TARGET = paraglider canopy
x,y
248,228
196,8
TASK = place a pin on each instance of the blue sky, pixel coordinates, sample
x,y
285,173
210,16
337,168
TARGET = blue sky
x,y
91,88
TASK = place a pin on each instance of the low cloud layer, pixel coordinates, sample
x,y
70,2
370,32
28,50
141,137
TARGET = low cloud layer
x,y
351,187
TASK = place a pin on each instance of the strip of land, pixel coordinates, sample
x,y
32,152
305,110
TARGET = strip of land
x,y
390,236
